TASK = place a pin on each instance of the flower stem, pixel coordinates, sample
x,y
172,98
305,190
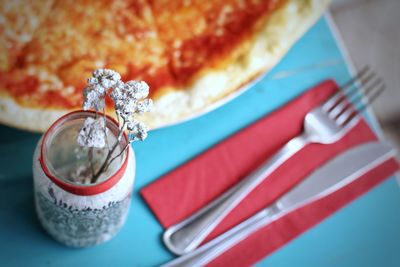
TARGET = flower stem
x,y
91,161
110,152
119,154
105,128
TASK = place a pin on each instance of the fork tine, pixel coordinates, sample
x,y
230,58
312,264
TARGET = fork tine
x,y
353,111
354,98
372,98
343,102
330,103
361,73
351,120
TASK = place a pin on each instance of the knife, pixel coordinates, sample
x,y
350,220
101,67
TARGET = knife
x,y
332,176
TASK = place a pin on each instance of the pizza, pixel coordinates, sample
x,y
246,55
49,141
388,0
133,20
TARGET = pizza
x,y
192,53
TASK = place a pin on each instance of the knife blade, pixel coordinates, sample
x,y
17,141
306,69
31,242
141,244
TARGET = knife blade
x,y
332,176
328,178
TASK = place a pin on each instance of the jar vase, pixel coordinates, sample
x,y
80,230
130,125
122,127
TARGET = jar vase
x,y
74,213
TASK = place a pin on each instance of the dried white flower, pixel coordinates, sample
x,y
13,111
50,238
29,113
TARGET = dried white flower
x,y
94,94
104,77
137,89
129,99
138,130
92,81
118,92
93,99
124,115
144,106
92,133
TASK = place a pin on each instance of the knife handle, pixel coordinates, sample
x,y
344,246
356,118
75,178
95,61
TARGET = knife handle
x,y
211,250
191,232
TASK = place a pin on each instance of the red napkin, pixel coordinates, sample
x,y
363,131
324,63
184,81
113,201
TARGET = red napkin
x,y
192,185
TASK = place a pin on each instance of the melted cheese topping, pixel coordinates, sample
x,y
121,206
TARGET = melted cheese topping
x,y
166,43
18,22
200,34
77,38
29,100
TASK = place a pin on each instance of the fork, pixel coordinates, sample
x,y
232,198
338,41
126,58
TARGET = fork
x,y
324,124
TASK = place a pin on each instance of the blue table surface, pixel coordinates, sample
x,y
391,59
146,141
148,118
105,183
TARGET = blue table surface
x,y
364,233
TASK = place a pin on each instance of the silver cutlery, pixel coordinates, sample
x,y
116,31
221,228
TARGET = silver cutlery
x,y
324,124
332,176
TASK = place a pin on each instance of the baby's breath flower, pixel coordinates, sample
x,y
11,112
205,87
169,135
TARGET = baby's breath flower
x,y
92,133
105,77
92,81
138,89
129,105
126,116
100,90
144,106
131,125
129,99
98,84
93,99
117,93
138,130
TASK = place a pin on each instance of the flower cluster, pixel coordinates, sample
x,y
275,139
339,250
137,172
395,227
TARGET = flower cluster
x,y
92,133
137,131
129,99
98,85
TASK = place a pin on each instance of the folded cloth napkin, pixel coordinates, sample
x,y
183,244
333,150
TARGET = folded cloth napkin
x,y
192,185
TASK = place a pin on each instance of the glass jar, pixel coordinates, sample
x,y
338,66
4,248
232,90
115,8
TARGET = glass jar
x,y
72,210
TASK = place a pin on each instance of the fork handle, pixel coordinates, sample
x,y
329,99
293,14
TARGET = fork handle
x,y
191,232
211,250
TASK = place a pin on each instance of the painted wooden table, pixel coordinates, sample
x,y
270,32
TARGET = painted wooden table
x,y
365,233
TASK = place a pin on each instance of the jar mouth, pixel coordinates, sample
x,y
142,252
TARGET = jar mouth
x,y
48,164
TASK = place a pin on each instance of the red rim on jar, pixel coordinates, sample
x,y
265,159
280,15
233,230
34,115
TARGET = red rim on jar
x,y
83,190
